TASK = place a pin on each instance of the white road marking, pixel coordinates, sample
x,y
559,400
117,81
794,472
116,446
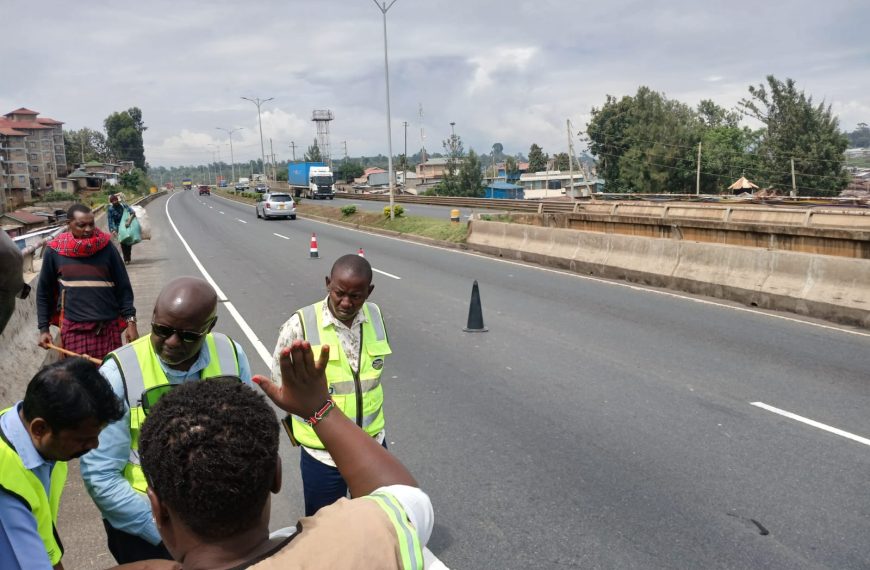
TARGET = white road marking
x,y
220,212
249,332
813,423
241,220
602,281
280,236
385,273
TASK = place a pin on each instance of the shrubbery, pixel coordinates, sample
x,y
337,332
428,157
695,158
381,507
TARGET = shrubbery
x,y
349,210
397,211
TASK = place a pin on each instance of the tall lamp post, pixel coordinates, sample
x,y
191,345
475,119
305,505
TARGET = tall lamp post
x,y
232,157
384,7
257,101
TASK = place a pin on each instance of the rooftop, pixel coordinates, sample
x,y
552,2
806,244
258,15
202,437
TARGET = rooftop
x,y
48,121
24,217
21,124
22,111
10,132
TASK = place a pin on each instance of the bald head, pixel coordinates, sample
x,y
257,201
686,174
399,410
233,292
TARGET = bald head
x,y
352,266
190,296
185,305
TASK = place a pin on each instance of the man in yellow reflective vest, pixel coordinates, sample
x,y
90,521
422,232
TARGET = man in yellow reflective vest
x,y
66,406
181,348
346,321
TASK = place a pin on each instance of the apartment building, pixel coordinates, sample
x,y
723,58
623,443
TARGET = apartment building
x,y
32,155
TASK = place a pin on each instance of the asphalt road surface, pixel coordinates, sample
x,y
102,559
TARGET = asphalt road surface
x,y
596,424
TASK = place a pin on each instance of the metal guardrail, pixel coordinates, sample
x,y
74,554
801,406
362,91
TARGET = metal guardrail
x,y
809,213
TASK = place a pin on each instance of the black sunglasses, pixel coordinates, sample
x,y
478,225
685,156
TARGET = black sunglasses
x,y
164,331
153,394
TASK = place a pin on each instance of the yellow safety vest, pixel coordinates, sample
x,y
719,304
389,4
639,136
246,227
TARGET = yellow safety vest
x,y
140,369
22,484
360,396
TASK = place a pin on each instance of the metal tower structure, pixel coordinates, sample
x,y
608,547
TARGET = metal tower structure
x,y
321,118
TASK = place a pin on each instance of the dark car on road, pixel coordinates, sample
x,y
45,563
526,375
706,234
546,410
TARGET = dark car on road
x,y
262,188
203,189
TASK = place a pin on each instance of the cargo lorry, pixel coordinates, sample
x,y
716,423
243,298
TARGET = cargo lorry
x,y
311,180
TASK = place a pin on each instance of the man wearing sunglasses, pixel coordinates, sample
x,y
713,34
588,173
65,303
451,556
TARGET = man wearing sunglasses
x,y
181,348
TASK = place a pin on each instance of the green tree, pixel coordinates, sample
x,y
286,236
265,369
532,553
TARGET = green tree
x,y
470,177
313,153
562,161
281,175
537,159
797,129
860,137
85,142
449,185
511,167
348,170
124,136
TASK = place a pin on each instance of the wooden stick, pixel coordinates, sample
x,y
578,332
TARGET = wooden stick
x,y
71,353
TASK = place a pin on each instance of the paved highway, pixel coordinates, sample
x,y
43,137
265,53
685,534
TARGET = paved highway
x,y
440,212
596,425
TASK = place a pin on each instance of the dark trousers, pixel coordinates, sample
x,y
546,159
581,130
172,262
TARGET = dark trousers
x,y
126,250
322,484
130,548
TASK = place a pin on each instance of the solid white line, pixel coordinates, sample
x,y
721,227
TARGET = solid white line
x,y
385,273
241,220
813,423
599,280
249,332
280,236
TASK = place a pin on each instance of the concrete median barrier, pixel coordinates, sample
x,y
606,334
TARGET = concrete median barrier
x,y
827,287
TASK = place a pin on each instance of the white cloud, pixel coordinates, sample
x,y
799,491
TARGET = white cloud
x,y
503,59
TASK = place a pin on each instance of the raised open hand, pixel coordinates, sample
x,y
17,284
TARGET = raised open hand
x,y
303,388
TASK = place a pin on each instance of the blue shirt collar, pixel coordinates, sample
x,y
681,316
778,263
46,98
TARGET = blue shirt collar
x,y
19,437
177,376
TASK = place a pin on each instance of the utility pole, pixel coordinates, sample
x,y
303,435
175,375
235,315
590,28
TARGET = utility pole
x,y
232,156
293,149
405,158
570,158
274,167
384,7
257,101
344,143
698,182
793,181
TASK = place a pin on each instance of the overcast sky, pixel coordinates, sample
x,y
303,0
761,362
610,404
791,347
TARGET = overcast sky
x,y
510,71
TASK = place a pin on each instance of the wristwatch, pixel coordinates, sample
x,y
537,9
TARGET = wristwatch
x,y
131,319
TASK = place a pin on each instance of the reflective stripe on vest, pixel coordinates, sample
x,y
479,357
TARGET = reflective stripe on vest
x,y
140,369
21,483
410,550
340,377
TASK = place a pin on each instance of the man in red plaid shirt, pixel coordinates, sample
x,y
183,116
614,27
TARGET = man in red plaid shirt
x,y
84,288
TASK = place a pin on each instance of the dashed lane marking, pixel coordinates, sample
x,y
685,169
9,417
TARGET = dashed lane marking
x,y
813,423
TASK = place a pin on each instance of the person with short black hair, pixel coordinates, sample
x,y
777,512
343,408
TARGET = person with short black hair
x,y
355,328
114,215
84,289
210,453
65,407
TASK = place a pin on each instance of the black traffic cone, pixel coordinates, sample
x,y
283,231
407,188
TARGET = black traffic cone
x,y
475,312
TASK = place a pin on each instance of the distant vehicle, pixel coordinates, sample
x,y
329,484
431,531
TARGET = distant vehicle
x,y
240,187
258,177
169,186
222,184
243,184
261,188
311,180
203,189
187,183
276,205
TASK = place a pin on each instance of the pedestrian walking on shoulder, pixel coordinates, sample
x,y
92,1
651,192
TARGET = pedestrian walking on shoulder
x,y
84,289
114,215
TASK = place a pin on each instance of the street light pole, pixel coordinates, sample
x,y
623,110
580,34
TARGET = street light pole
x,y
257,101
232,156
384,7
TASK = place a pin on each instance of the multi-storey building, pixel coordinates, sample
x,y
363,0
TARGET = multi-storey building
x,y
32,155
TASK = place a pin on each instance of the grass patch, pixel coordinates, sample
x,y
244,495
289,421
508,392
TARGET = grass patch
x,y
444,230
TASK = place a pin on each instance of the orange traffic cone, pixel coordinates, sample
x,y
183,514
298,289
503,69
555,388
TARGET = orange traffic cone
x,y
361,253
312,252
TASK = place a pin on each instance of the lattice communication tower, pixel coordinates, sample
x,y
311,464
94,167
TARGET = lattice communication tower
x,y
321,118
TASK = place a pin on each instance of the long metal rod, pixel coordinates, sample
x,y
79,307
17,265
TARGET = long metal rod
x,y
384,8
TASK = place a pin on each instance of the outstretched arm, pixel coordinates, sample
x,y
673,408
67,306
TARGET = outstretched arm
x,y
363,463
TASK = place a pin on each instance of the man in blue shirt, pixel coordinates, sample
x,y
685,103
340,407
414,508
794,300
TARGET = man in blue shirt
x,y
181,348
114,215
65,408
